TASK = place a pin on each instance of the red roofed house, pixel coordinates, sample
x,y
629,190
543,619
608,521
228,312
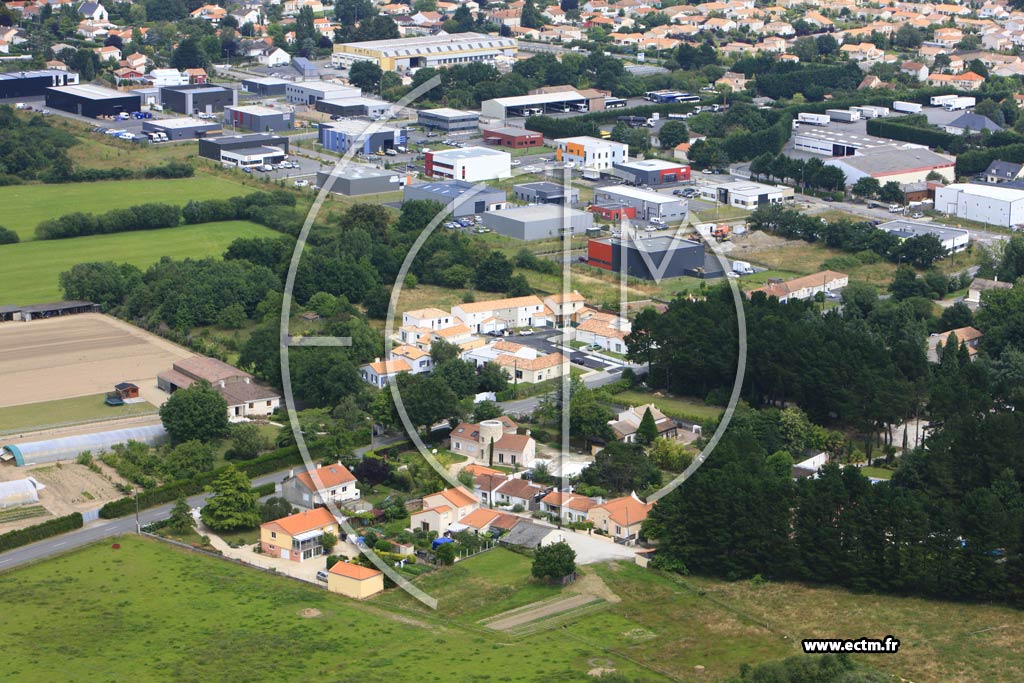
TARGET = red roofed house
x,y
474,440
380,372
442,509
483,520
571,507
620,518
330,484
297,537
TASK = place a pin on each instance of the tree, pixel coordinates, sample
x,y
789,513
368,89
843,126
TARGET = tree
x,y
196,412
444,554
493,378
458,375
956,316
232,317
181,520
672,133
442,351
233,504
275,507
806,48
519,286
621,468
351,12
531,17
486,410
647,431
327,541
247,441
188,55
188,459
588,419
867,187
494,273
891,193
8,236
827,45
365,75
907,37
552,562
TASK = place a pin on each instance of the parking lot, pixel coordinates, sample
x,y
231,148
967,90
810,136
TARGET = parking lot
x,y
548,340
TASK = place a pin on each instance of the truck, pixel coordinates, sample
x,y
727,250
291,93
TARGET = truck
x,y
633,121
813,119
907,107
742,268
844,115
940,100
959,103
679,117
720,233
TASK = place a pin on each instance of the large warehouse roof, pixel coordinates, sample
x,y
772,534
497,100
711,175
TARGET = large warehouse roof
x,y
69,447
439,44
92,92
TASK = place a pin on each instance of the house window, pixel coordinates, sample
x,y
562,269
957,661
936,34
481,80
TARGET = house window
x,y
273,534
618,531
513,460
501,457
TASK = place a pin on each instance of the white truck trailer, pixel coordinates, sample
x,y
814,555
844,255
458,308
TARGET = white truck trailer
x,y
941,100
907,107
813,119
959,103
844,115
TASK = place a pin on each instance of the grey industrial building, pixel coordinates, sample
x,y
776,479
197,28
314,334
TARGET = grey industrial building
x,y
91,100
545,192
359,179
450,120
182,129
259,118
265,86
451,192
353,106
538,222
34,83
202,98
648,204
311,92
306,69
653,258
254,149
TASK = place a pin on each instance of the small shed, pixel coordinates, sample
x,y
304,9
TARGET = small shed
x,y
122,393
354,580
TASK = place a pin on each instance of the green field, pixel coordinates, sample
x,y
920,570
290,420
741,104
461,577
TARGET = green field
x,y
680,407
214,620
31,269
66,411
25,206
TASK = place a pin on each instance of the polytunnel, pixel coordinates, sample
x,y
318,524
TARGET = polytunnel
x,y
69,447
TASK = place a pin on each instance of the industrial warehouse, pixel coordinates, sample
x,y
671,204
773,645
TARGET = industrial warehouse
x,y
426,51
953,239
538,222
647,204
653,172
92,100
255,149
341,136
34,83
652,258
354,106
562,100
457,194
202,99
449,120
258,118
360,180
472,164
182,129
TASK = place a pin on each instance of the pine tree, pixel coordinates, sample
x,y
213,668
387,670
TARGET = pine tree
x,y
647,432
181,520
233,505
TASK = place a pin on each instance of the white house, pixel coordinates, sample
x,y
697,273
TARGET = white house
x,y
521,311
330,484
442,509
379,373
274,56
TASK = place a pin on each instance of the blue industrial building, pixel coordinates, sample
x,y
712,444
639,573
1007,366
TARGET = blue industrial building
x,y
341,136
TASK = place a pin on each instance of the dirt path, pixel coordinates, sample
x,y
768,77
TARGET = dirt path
x,y
592,584
507,621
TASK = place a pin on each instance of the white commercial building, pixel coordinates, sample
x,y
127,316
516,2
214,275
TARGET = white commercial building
x,y
436,51
648,204
746,194
895,163
472,164
591,154
993,204
310,92
167,77
953,239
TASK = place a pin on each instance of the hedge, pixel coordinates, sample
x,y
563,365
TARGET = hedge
x,y
264,489
896,129
51,527
167,493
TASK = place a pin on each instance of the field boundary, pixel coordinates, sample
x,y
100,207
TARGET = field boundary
x,y
34,429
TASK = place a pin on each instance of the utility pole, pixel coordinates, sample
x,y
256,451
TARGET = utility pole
x,y
138,524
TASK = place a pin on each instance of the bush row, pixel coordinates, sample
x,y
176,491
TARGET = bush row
x,y
172,169
170,492
907,131
264,489
51,527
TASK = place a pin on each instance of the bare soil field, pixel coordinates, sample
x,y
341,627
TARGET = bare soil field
x,y
70,487
78,355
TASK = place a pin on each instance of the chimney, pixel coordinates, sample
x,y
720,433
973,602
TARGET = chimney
x,y
528,432
291,473
318,465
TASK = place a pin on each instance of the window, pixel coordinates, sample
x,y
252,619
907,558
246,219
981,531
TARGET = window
x,y
273,534
618,530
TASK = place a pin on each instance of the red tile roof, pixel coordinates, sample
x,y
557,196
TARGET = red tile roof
x,y
302,521
330,476
354,571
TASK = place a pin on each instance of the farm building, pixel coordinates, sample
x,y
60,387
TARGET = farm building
x,y
33,83
538,222
246,398
69,447
19,492
182,129
359,179
200,98
38,311
92,100
480,199
259,118
449,120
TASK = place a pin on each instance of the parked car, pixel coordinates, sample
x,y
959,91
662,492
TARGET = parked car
x,y
321,575
707,171
516,162
527,332
301,182
594,347
917,214
579,360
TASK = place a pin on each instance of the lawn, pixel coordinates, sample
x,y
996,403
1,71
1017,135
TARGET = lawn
x,y
66,411
721,213
876,472
673,406
31,269
170,614
25,206
806,258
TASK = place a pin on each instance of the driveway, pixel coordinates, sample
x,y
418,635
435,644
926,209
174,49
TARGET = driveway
x,y
591,548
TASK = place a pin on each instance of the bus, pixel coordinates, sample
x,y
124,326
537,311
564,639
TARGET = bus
x,y
686,98
614,103
606,134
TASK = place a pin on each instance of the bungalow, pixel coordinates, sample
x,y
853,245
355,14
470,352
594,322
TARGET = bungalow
x,y
354,580
531,535
515,491
107,53
610,335
620,518
331,484
1000,171
627,422
915,70
298,537
981,285
803,287
569,507
442,509
273,56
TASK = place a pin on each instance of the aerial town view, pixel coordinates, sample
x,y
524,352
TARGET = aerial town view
x,y
610,341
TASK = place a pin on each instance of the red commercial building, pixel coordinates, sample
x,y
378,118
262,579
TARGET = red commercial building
x,y
513,137
614,212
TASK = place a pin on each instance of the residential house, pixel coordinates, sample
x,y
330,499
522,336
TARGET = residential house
x,y
969,122
381,373
947,37
554,13
567,506
803,287
494,442
333,484
534,368
94,11
516,312
607,331
211,13
915,70
565,307
273,56
442,509
136,60
965,336
483,521
981,285
861,52
419,360
620,518
515,491
732,79
246,398
107,53
354,580
197,76
627,422
298,537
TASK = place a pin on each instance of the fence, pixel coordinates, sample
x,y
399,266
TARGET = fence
x,y
90,516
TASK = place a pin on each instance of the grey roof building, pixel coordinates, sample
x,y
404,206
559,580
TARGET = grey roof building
x,y
538,222
953,239
532,535
360,179
486,199
1000,171
182,129
265,86
972,122
545,192
202,98
448,119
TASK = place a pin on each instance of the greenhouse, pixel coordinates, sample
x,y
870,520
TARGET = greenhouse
x,y
19,492
69,447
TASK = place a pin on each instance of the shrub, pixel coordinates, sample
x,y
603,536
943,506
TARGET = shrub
x,y
38,532
8,236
